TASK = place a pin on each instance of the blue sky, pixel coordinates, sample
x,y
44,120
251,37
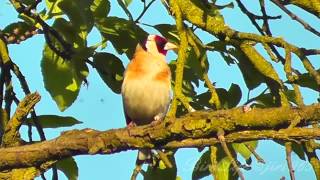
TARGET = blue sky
x,y
99,108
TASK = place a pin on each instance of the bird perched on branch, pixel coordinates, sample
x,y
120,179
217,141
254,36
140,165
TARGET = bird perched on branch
x,y
146,86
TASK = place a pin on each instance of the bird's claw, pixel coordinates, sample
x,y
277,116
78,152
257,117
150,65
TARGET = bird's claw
x,y
156,120
129,126
246,108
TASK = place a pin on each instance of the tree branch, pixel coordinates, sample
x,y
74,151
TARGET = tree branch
x,y
11,135
197,129
197,14
297,18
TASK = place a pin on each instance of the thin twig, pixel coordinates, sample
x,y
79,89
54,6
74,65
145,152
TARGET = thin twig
x,y
33,6
265,26
66,52
163,156
9,90
146,7
25,87
43,177
166,5
256,25
55,173
125,9
225,148
296,18
2,82
255,154
288,146
135,172
308,52
194,41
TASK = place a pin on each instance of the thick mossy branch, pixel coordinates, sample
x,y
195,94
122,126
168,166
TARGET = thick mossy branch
x,y
178,95
11,134
195,129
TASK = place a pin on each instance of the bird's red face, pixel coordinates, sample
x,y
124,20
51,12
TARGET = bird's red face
x,y
155,43
161,42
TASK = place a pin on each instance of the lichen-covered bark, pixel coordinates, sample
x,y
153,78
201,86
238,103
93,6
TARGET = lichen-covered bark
x,y
11,135
196,129
11,138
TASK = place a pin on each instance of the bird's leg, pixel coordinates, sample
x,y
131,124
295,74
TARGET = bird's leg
x,y
131,125
157,119
246,108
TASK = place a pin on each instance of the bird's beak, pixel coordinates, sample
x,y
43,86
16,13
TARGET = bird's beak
x,y
170,46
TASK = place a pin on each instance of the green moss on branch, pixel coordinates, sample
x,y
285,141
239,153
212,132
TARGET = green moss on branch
x,y
196,129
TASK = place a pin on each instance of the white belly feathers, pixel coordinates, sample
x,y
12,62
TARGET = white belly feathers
x,y
144,99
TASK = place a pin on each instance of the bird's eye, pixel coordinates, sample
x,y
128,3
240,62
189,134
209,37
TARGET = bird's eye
x,y
161,44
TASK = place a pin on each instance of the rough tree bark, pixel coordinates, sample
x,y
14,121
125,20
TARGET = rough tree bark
x,y
196,129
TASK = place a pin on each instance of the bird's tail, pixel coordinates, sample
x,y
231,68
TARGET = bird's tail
x,y
144,156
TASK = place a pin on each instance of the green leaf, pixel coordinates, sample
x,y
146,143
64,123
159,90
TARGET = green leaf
x,y
198,64
202,100
221,47
268,100
53,121
79,14
230,98
70,34
234,95
189,78
123,34
127,2
69,167
110,69
19,27
252,77
243,150
201,169
63,78
229,5
224,170
27,2
161,172
100,9
307,80
296,148
53,9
